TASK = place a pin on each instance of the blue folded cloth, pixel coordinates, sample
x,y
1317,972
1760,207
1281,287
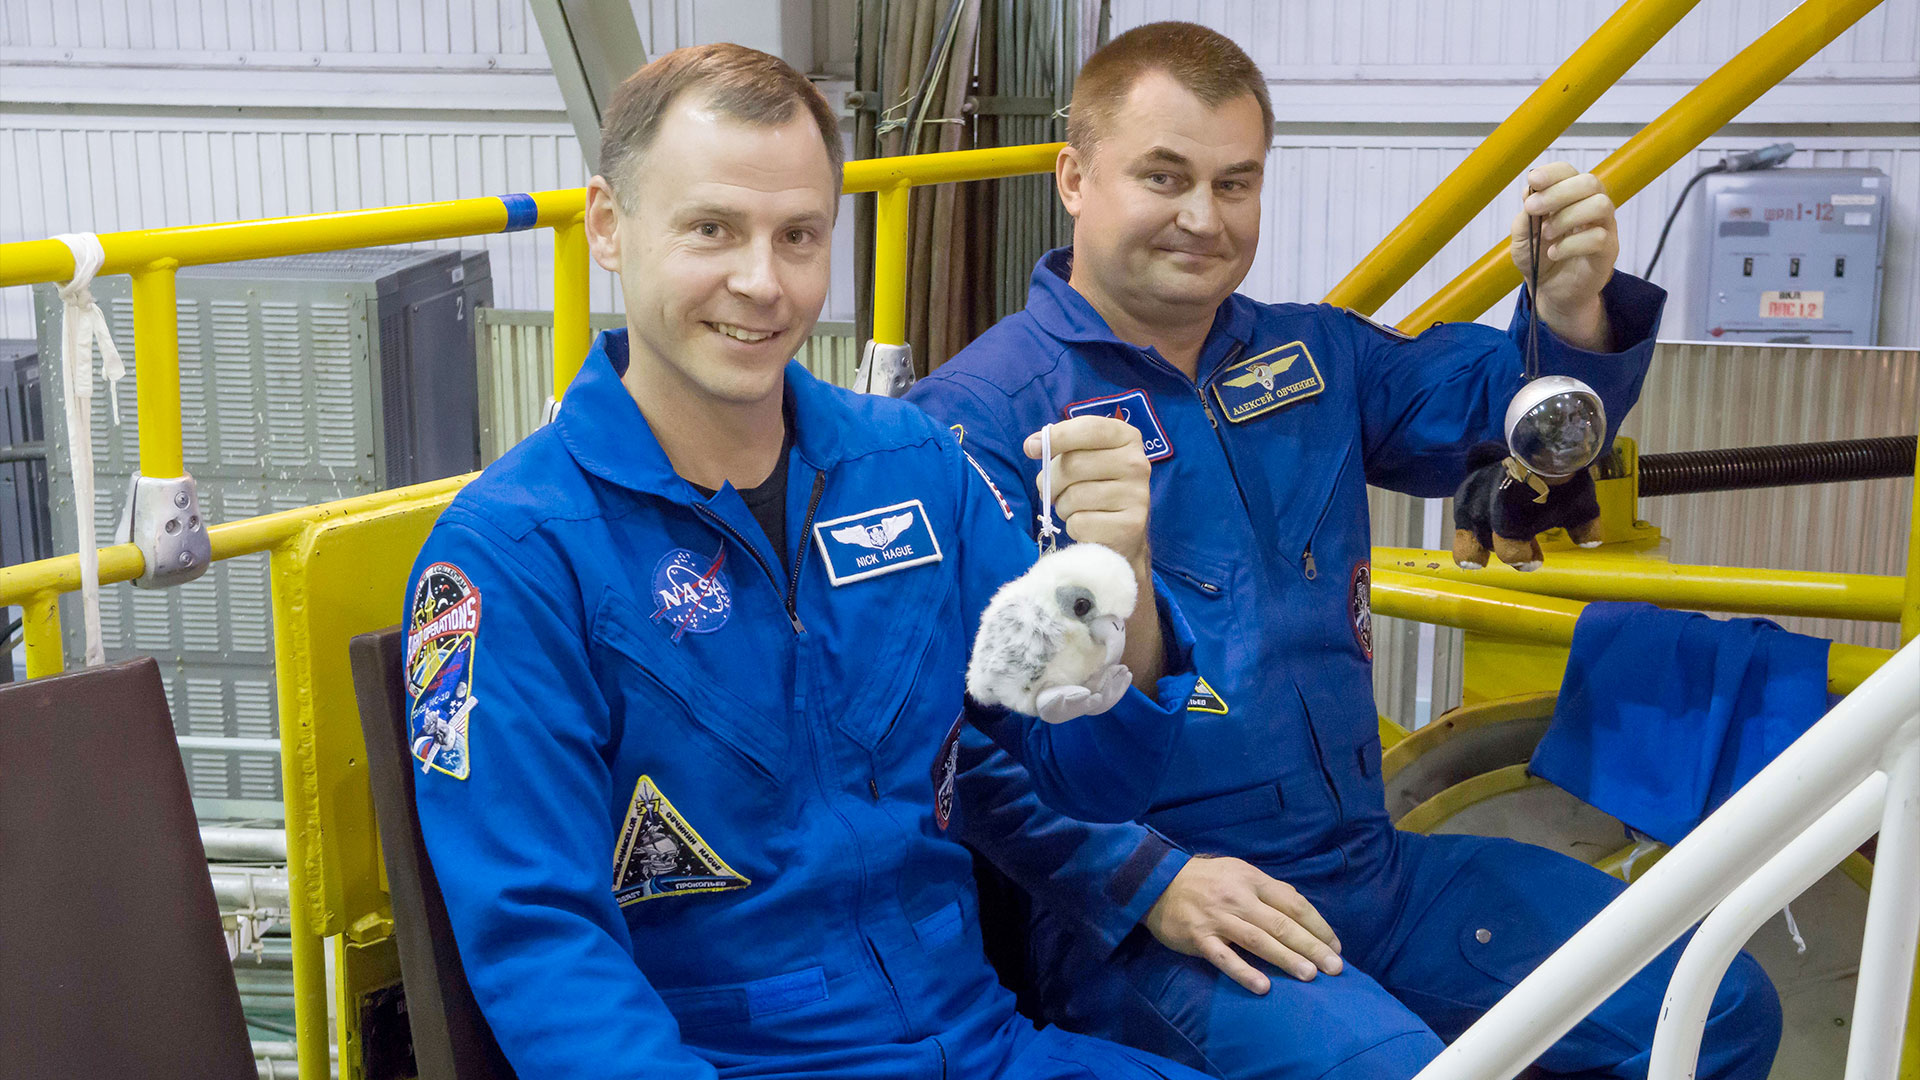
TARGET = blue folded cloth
x,y
1664,714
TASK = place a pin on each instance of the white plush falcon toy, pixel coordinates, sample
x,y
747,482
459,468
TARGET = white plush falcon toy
x,y
1050,640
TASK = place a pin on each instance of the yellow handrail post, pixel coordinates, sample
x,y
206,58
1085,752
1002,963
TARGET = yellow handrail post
x,y
156,366
1596,65
890,264
40,615
1702,111
572,330
1910,607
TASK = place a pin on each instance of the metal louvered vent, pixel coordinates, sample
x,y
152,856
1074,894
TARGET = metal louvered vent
x,y
289,397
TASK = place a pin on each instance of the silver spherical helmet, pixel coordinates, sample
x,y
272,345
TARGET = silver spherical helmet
x,y
1556,425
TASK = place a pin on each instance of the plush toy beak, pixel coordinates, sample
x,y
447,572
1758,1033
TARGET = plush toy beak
x,y
1111,631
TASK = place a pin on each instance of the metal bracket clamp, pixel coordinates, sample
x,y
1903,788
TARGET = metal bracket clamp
x,y
886,370
162,519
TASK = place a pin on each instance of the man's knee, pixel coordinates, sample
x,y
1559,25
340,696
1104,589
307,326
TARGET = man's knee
x,y
1743,1031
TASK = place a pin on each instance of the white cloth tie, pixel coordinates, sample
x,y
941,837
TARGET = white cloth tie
x,y
83,327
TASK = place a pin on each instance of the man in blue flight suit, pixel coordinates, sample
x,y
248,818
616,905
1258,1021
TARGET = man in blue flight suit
x,y
686,726
1268,849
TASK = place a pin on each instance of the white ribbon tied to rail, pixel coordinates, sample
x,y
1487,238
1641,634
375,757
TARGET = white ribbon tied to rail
x,y
82,327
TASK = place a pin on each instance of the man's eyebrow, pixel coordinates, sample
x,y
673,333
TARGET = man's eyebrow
x,y
709,210
1160,155
1163,156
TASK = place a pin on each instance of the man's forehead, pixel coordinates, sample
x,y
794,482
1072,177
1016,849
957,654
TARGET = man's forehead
x,y
701,155
1159,113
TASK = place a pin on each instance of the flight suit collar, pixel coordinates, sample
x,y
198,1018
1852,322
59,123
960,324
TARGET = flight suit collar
x,y
604,430
1066,315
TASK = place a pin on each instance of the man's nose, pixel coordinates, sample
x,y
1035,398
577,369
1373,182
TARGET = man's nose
x,y
1198,213
754,276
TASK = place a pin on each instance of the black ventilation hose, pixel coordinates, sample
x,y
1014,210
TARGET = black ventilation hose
x,y
1776,466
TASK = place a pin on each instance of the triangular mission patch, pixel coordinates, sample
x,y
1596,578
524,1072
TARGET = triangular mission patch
x,y
660,854
1204,699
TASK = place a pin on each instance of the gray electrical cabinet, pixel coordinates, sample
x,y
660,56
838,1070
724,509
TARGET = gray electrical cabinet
x,y
24,527
303,380
1793,255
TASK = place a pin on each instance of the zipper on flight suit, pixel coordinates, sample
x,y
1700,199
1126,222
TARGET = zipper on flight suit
x,y
1200,395
1307,567
799,561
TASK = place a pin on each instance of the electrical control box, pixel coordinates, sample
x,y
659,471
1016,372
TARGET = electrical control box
x,y
1792,256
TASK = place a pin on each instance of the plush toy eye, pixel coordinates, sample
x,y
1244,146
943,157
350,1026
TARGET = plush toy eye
x,y
1081,607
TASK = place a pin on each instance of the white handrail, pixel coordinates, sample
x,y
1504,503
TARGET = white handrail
x,y
1877,723
1893,919
1683,1017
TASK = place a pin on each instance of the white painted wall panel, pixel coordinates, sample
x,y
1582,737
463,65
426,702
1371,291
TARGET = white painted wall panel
x,y
1286,35
421,27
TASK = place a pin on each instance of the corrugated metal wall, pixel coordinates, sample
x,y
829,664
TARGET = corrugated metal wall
x,y
125,115
1711,396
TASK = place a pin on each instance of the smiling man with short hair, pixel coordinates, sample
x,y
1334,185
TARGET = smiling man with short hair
x,y
1264,919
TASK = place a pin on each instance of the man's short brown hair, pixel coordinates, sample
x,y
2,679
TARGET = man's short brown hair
x,y
737,82
1204,61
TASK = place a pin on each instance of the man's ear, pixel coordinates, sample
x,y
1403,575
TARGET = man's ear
x,y
1069,173
603,224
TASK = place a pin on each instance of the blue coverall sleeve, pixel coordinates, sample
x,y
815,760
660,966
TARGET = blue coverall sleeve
x,y
1425,401
523,845
1100,768
1108,874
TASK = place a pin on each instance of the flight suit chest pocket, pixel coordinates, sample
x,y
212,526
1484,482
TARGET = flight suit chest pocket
x,y
656,684
918,664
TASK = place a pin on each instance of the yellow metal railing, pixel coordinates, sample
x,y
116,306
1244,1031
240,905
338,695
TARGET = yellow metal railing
x,y
1605,575
1596,65
1672,135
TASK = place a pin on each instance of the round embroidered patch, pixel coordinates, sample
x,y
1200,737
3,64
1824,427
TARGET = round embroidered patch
x,y
692,593
1360,607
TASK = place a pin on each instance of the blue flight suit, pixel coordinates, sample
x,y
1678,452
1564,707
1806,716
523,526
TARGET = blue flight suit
x,y
1260,525
692,818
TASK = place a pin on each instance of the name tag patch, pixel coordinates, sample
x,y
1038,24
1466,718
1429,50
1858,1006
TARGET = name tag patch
x,y
1134,408
875,542
1258,385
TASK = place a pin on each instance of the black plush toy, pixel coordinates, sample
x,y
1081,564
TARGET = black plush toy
x,y
1502,506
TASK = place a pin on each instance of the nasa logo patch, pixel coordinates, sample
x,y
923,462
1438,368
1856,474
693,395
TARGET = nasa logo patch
x,y
1360,607
443,623
875,542
661,854
694,594
1260,384
946,773
1134,408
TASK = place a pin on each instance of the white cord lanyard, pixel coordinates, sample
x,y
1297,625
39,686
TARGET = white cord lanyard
x,y
1049,532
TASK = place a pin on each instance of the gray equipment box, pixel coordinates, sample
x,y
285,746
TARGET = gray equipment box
x,y
1793,256
24,526
303,380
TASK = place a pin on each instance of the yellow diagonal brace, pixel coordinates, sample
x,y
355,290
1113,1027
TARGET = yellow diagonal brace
x,y
1596,65
1672,135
